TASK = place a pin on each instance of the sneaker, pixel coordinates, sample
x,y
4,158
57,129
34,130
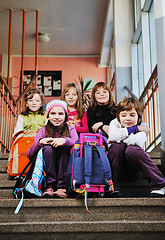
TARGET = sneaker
x,y
114,194
48,193
158,193
60,193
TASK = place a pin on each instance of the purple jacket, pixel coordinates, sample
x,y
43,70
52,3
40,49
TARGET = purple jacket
x,y
70,141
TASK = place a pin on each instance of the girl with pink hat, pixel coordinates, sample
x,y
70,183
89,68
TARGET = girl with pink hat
x,y
56,140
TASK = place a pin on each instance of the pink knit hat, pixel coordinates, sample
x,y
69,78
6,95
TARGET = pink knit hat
x,y
56,103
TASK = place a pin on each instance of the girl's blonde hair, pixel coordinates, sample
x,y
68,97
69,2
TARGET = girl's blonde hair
x,y
78,106
29,95
103,85
127,104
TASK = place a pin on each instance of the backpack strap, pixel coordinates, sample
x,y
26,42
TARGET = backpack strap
x,y
106,166
25,181
87,163
23,171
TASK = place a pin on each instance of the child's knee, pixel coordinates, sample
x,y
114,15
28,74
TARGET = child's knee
x,y
133,151
117,148
47,148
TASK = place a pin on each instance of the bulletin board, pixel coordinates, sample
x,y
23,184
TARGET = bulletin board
x,y
49,82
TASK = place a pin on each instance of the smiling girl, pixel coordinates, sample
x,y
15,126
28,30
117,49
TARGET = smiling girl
x,y
101,110
77,117
126,155
34,117
56,140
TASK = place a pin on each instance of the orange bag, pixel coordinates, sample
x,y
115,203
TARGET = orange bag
x,y
17,157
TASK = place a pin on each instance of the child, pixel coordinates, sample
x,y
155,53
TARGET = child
x,y
126,147
76,116
34,117
56,139
101,110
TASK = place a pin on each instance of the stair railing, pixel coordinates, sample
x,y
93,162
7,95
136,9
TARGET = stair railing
x,y
9,111
150,102
8,114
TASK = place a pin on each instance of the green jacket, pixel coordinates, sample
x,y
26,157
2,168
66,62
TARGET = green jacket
x,y
33,121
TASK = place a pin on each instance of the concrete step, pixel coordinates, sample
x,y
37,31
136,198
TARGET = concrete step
x,y
3,165
121,229
4,155
33,210
120,218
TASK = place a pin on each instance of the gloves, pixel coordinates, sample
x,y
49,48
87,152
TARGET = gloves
x,y
136,139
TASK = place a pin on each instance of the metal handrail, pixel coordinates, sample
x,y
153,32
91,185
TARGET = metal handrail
x,y
150,103
9,111
130,92
8,115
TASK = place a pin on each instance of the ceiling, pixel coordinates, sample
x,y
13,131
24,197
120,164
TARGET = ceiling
x,y
76,27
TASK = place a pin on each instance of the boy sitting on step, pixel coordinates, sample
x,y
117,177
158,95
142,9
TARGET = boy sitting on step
x,y
127,136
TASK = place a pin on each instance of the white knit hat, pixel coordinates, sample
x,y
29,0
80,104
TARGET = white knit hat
x,y
56,103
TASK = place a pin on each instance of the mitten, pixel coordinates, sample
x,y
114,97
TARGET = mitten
x,y
130,140
140,138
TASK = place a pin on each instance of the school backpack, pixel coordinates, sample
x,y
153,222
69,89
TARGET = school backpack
x,y
31,185
88,168
17,157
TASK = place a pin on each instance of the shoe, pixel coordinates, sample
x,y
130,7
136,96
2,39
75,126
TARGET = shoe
x,y
114,194
60,193
158,193
48,193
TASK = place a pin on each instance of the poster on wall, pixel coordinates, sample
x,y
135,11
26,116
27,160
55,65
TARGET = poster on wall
x,y
49,82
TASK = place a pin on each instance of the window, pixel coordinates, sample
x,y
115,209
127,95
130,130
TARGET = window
x,y
152,37
140,64
137,9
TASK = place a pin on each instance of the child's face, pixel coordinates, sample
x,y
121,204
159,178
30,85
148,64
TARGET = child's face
x,y
71,97
57,116
128,118
102,96
34,103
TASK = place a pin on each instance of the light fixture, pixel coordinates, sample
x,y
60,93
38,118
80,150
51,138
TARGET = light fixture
x,y
43,37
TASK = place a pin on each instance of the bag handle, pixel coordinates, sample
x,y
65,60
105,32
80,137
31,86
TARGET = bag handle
x,y
84,137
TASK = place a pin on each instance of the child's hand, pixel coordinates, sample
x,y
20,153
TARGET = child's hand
x,y
96,126
58,142
144,129
45,141
106,128
108,141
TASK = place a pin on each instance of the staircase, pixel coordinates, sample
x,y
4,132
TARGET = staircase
x,y
117,219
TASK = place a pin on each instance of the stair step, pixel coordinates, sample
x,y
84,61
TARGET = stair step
x,y
3,165
124,235
33,210
4,177
83,227
6,194
4,155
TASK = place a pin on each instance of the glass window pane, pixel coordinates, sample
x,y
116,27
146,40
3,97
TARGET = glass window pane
x,y
152,37
140,65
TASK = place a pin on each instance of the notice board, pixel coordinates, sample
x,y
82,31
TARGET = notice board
x,y
49,82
